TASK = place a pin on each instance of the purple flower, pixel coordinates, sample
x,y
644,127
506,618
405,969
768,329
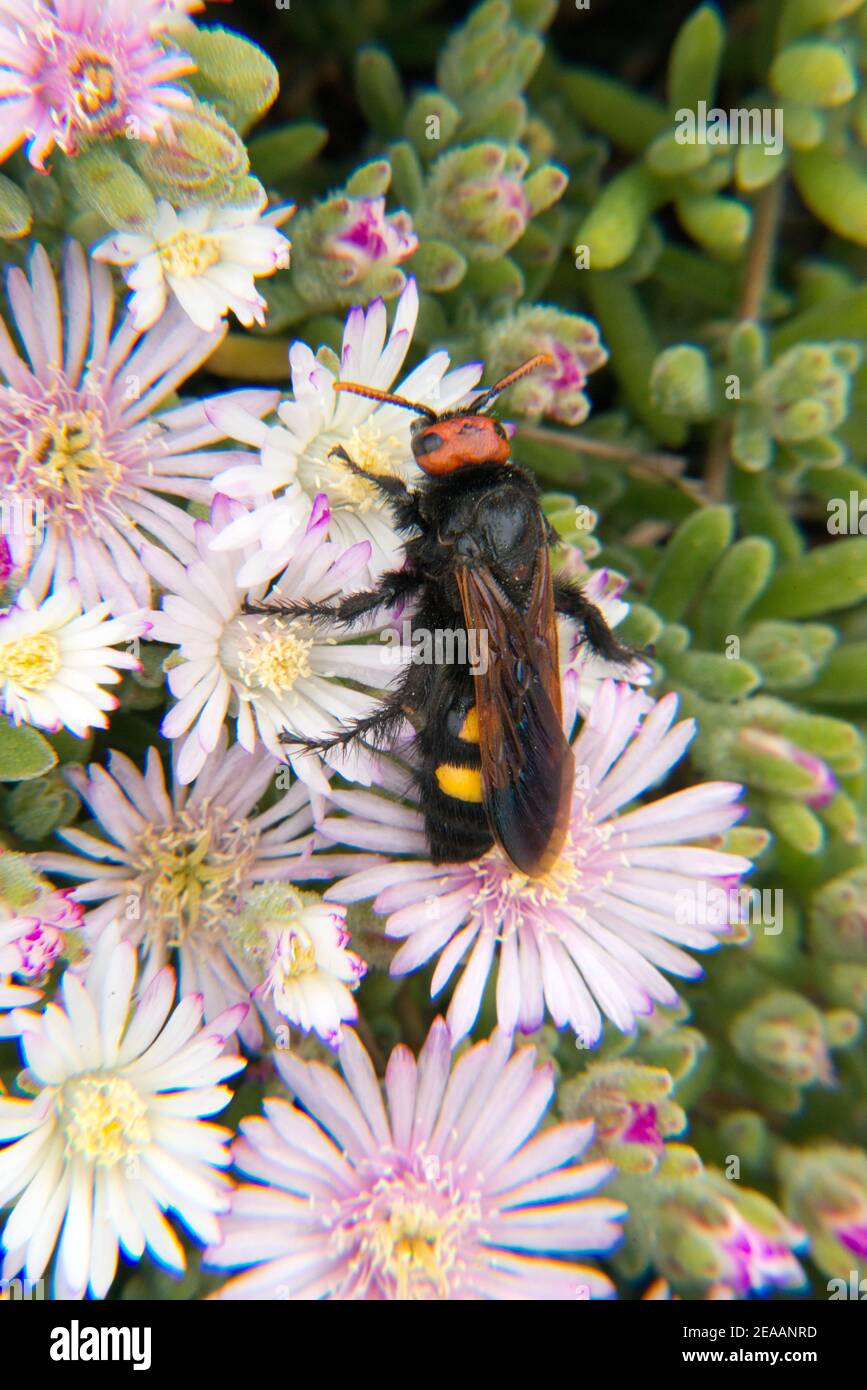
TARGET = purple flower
x,y
591,937
80,449
369,237
30,943
79,70
438,1192
758,1261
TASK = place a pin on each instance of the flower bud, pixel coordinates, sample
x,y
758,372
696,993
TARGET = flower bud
x,y
570,339
825,1189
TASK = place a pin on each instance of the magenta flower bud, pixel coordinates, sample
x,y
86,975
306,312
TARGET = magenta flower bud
x,y
371,237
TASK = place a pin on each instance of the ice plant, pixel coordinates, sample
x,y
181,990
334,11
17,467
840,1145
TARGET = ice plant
x,y
177,870
443,1192
591,937
206,257
570,340
112,1135
310,971
31,942
296,454
273,674
55,659
368,236
79,70
79,442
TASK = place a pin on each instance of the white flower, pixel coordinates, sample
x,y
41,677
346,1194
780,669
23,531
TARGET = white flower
x,y
55,659
296,453
311,972
13,996
207,257
113,1136
271,673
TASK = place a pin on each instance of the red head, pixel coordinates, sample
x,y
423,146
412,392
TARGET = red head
x,y
457,438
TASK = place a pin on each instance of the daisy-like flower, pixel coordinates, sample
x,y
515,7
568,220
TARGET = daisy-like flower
x,y
55,659
368,237
177,871
273,674
207,257
310,971
113,1137
590,937
79,444
441,1193
296,453
79,70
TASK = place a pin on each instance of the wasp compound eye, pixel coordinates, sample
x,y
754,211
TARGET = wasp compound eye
x,y
427,443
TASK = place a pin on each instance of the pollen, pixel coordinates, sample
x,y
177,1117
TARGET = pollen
x,y
462,783
191,874
104,1118
189,254
93,81
294,957
369,450
409,1247
274,662
68,453
31,661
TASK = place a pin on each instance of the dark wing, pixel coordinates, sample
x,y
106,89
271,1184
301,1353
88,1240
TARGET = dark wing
x,y
528,768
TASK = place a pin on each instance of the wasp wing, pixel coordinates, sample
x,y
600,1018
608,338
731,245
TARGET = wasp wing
x,y
528,768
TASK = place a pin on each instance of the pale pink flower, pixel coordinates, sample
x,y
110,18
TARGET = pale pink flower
x,y
442,1190
82,455
177,869
79,70
591,937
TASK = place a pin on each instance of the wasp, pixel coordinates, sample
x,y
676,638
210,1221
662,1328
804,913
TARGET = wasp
x,y
490,755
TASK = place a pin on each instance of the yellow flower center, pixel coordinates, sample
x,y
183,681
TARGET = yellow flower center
x,y
104,1118
31,661
555,886
191,876
93,78
366,447
273,660
188,254
297,956
411,1248
68,453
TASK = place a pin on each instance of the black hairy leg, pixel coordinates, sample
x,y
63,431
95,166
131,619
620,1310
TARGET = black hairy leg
x,y
597,635
377,730
404,502
393,587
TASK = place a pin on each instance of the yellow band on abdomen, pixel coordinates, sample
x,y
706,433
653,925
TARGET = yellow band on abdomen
x,y
463,783
469,730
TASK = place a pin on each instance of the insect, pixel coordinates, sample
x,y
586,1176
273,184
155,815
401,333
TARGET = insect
x,y
492,761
